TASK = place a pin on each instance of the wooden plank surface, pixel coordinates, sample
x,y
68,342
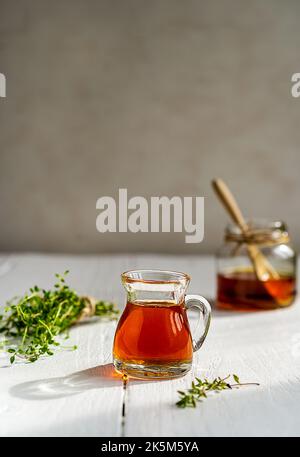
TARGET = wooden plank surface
x,y
76,393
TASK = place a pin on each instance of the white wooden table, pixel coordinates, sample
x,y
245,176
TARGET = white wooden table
x,y
75,393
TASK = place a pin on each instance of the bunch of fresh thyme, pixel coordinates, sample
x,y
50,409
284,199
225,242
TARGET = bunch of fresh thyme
x,y
30,324
201,388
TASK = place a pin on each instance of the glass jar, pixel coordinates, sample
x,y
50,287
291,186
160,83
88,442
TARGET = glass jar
x,y
238,287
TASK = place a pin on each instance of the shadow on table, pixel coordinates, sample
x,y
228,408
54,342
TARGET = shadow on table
x,y
75,383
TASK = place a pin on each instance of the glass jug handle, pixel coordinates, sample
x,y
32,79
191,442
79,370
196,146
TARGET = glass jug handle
x,y
199,302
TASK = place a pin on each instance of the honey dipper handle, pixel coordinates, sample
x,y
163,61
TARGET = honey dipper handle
x,y
229,203
262,267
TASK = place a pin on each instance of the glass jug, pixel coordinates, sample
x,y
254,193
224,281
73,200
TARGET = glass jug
x,y
153,337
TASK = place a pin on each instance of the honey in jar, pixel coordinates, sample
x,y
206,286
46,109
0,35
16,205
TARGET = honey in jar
x,y
238,287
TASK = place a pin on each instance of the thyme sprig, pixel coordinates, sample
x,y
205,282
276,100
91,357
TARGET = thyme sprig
x,y
30,324
200,388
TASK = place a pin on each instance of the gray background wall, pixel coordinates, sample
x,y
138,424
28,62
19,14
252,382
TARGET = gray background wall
x,y
155,96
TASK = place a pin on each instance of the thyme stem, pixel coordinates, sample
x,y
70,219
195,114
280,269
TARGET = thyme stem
x,y
200,389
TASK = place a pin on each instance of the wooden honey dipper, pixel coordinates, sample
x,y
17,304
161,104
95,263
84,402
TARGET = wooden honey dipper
x,y
262,267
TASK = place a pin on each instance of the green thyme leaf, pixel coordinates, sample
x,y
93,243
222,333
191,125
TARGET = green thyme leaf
x,y
236,378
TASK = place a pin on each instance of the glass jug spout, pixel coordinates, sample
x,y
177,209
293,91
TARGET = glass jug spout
x,y
155,285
